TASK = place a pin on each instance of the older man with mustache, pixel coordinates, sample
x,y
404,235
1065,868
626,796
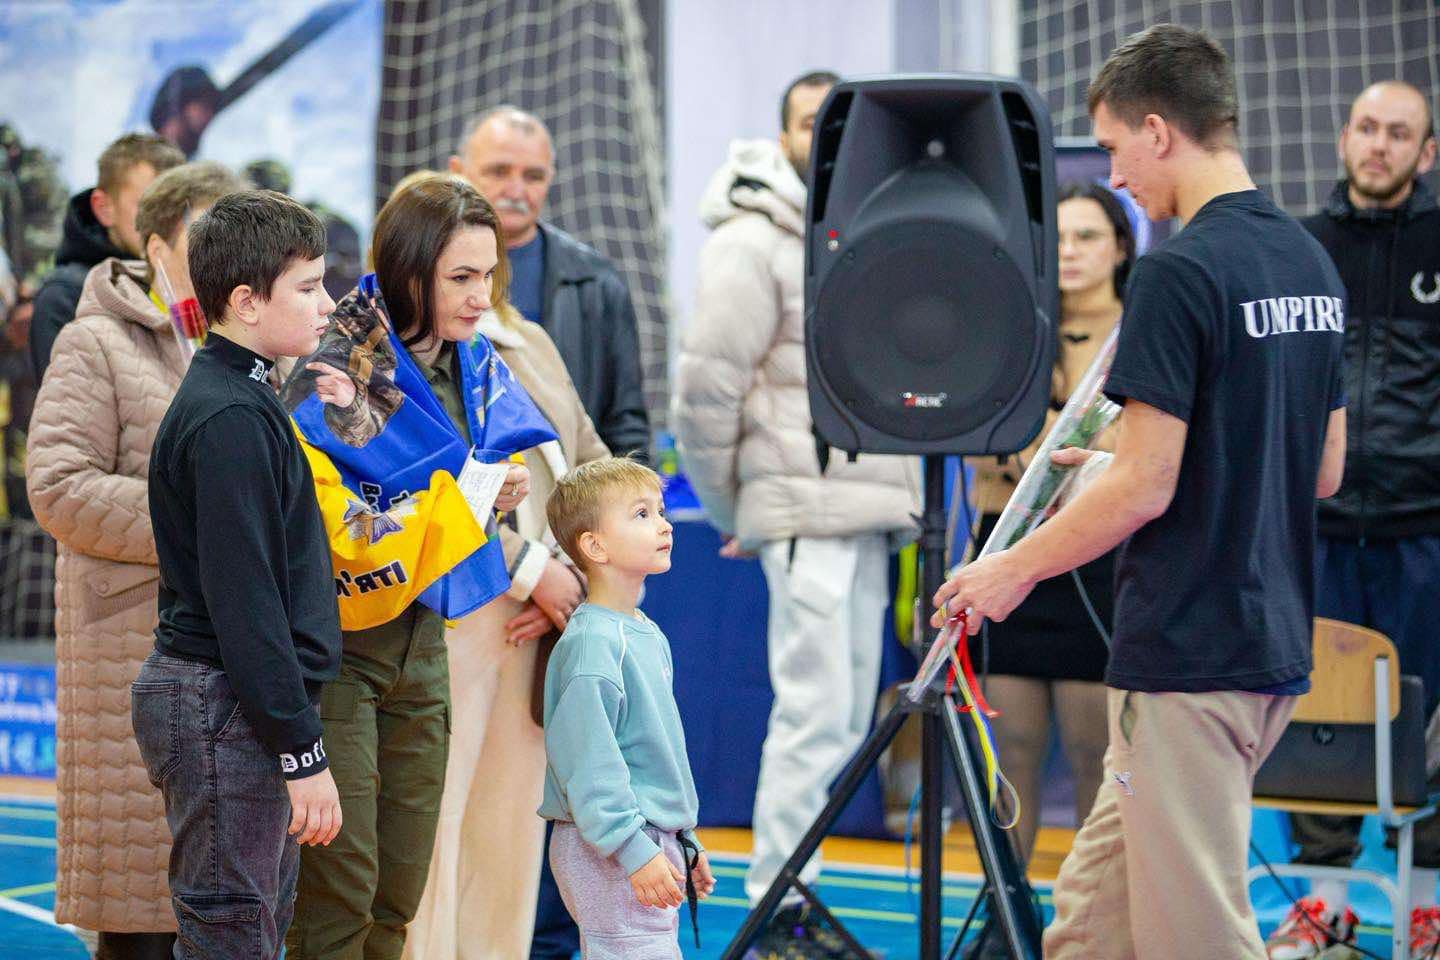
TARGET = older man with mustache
x,y
580,299
556,281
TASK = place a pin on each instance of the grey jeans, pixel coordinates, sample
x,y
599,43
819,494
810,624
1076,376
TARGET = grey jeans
x,y
233,864
597,892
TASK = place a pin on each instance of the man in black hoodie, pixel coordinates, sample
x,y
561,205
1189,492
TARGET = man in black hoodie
x,y
1378,555
99,223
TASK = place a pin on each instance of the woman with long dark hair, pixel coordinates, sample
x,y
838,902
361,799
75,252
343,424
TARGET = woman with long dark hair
x,y
387,373
414,375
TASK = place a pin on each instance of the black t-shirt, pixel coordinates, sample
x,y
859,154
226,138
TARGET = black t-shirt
x,y
1234,326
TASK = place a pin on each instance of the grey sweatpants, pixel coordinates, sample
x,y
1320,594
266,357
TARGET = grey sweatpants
x,y
597,892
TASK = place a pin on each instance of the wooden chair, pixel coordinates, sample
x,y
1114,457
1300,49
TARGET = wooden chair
x,y
1356,679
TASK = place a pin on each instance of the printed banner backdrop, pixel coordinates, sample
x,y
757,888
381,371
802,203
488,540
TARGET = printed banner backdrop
x,y
285,91
27,720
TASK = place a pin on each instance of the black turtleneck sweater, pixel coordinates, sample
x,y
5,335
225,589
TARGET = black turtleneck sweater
x,y
245,573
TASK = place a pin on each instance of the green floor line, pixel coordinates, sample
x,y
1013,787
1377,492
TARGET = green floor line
x,y
964,889
28,813
30,891
16,840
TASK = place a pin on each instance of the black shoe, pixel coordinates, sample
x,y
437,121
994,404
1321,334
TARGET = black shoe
x,y
783,939
802,924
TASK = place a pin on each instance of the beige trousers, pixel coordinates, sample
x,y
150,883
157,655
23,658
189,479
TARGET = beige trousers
x,y
1157,871
479,901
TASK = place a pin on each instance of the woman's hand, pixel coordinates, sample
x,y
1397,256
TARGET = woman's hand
x,y
529,625
731,550
332,386
557,593
515,488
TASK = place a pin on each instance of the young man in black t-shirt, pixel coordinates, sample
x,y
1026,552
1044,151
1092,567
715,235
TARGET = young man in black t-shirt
x,y
225,709
1229,371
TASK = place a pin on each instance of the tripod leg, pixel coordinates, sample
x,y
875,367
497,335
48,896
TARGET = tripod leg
x,y
1002,869
840,795
980,896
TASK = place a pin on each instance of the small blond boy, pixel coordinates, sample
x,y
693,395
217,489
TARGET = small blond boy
x,y
617,782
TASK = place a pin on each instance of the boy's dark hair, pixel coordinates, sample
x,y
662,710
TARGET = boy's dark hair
x,y
1181,74
1119,221
412,231
815,78
248,239
130,151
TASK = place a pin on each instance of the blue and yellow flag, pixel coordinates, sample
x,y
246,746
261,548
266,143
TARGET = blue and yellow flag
x,y
384,560
396,454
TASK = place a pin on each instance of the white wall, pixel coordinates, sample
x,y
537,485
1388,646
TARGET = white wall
x,y
727,63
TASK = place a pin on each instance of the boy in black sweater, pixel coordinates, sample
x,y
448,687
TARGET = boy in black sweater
x,y
225,708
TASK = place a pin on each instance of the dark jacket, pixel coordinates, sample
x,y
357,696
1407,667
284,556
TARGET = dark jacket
x,y
588,314
1390,263
83,243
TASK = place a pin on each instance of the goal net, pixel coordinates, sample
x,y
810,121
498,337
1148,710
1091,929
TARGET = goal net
x,y
579,65
1298,64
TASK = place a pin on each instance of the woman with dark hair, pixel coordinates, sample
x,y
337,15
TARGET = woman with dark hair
x,y
1046,660
420,335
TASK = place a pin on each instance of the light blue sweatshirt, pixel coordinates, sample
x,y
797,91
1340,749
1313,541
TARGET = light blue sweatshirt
x,y
614,747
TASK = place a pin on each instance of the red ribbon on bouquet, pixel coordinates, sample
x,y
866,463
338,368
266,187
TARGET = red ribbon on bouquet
x,y
962,647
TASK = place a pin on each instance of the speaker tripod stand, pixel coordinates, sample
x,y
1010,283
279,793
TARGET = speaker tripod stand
x,y
941,736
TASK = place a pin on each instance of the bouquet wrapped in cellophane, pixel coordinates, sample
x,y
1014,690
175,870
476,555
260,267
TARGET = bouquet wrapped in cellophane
x,y
187,321
1085,416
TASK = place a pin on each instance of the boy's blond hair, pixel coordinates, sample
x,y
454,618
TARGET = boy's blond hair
x,y
575,503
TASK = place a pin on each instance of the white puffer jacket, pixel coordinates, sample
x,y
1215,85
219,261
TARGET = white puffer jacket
x,y
741,414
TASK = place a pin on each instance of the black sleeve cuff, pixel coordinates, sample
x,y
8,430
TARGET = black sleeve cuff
x,y
305,760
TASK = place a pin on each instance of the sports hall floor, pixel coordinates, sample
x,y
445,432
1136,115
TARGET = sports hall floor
x,y
864,883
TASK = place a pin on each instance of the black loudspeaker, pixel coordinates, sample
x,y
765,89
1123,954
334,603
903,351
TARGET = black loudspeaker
x,y
930,265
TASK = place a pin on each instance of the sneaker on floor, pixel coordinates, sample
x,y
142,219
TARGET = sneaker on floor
x,y
777,946
1308,929
804,925
786,937
1425,933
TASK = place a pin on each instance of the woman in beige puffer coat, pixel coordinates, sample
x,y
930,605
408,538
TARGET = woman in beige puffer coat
x,y
112,374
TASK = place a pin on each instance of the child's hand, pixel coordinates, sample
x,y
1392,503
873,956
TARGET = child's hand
x,y
332,386
314,809
657,884
704,878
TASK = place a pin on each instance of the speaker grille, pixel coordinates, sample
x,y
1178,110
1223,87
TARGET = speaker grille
x,y
924,330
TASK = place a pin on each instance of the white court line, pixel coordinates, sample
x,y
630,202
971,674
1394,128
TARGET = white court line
x,y
19,907
38,914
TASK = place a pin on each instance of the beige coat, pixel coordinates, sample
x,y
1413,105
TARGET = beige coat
x,y
537,364
741,411
479,901
111,377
